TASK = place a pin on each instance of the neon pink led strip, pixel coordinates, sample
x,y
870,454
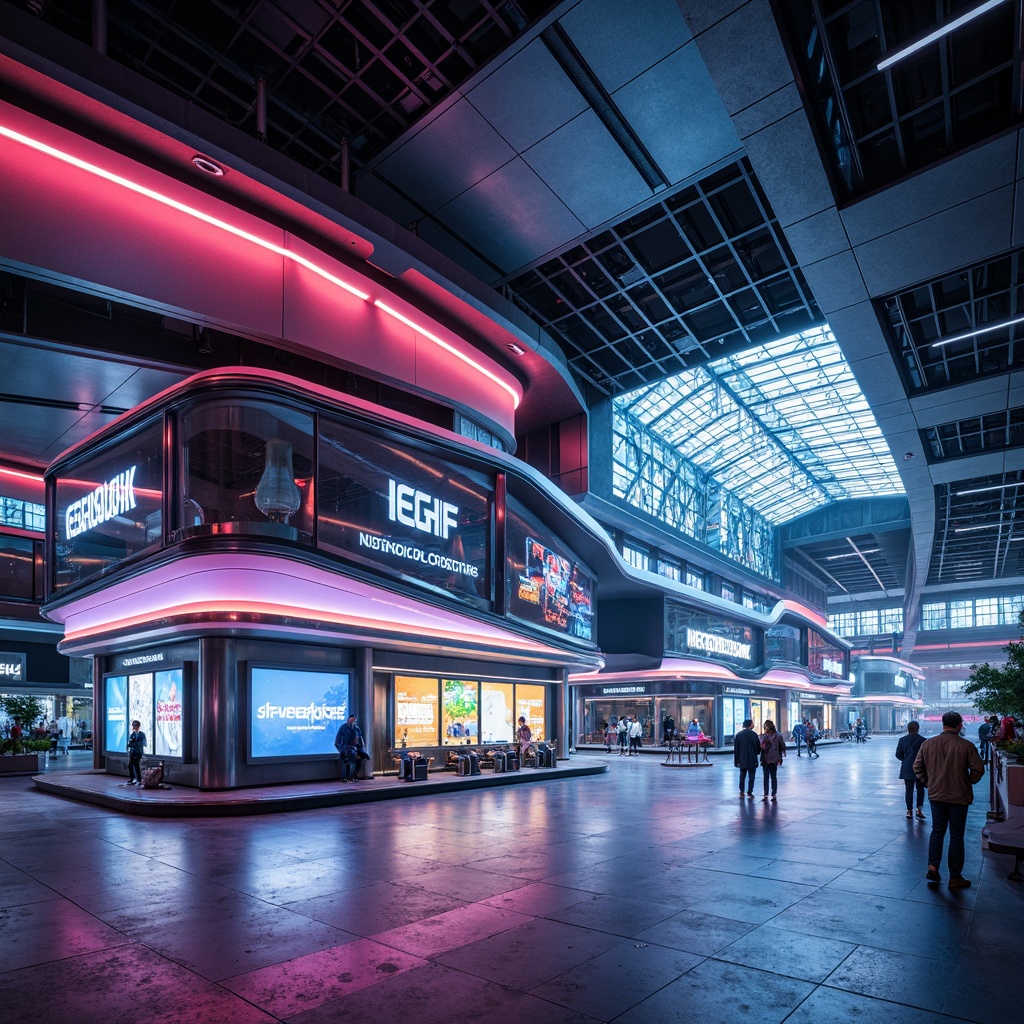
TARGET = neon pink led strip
x,y
263,243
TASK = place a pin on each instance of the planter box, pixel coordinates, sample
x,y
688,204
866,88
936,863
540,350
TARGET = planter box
x,y
22,764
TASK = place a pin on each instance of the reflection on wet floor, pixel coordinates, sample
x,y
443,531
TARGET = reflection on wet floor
x,y
627,896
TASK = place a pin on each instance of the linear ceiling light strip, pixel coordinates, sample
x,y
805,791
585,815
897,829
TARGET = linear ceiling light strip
x,y
939,33
263,243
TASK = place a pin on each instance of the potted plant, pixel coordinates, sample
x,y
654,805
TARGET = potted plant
x,y
1014,750
22,754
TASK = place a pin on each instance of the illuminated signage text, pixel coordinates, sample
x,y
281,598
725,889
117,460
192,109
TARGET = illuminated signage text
x,y
709,643
420,510
833,666
108,501
400,549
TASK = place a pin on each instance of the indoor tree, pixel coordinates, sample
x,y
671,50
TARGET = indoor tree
x,y
26,710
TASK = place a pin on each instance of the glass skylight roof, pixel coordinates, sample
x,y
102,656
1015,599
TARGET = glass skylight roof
x,y
784,426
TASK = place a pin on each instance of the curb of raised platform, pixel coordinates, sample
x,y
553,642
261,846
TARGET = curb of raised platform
x,y
170,801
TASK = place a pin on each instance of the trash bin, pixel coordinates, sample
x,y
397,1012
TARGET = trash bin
x,y
545,757
500,761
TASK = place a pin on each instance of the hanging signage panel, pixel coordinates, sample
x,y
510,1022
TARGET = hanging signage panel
x,y
690,631
295,713
548,586
409,514
108,507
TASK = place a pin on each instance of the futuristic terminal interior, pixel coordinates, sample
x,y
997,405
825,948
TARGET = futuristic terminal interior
x,y
480,366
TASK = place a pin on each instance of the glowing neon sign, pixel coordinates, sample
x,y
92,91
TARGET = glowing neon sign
x,y
107,502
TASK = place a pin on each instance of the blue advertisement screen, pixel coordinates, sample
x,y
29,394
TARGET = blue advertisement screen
x,y
294,713
116,734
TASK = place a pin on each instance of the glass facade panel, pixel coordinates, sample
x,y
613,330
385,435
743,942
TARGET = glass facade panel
x,y
23,515
670,569
109,506
18,568
961,614
636,556
782,644
689,631
245,464
395,509
934,616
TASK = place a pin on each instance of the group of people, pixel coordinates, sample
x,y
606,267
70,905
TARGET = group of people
x,y
947,766
627,732
805,734
995,730
751,751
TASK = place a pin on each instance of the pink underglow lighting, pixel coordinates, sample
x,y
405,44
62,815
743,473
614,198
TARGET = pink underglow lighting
x,y
687,668
263,243
174,204
450,348
31,477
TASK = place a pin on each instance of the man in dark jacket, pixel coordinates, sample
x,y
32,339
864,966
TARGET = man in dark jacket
x,y
949,767
906,754
349,741
746,752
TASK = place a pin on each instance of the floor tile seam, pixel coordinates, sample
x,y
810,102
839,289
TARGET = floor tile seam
x,y
125,941
906,1006
702,958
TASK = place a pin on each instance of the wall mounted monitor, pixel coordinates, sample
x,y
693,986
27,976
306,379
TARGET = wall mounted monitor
x,y
295,713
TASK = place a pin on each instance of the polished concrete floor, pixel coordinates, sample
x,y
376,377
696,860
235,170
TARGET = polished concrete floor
x,y
644,894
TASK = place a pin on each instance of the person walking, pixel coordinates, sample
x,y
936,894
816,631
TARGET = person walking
x,y
609,737
746,752
799,735
949,767
811,735
349,741
906,754
984,735
773,751
668,729
623,731
636,733
136,748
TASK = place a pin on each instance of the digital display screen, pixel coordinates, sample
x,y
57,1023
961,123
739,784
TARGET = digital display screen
x,y
530,705
459,706
548,586
167,738
824,658
497,719
393,507
295,713
140,706
116,731
415,712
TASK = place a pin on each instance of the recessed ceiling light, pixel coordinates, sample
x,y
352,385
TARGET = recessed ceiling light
x,y
943,30
206,164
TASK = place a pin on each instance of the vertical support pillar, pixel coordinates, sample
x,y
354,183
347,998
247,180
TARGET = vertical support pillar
x,y
361,702
98,760
218,713
563,717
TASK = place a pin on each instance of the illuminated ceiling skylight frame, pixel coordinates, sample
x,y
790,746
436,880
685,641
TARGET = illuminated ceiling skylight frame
x,y
784,427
